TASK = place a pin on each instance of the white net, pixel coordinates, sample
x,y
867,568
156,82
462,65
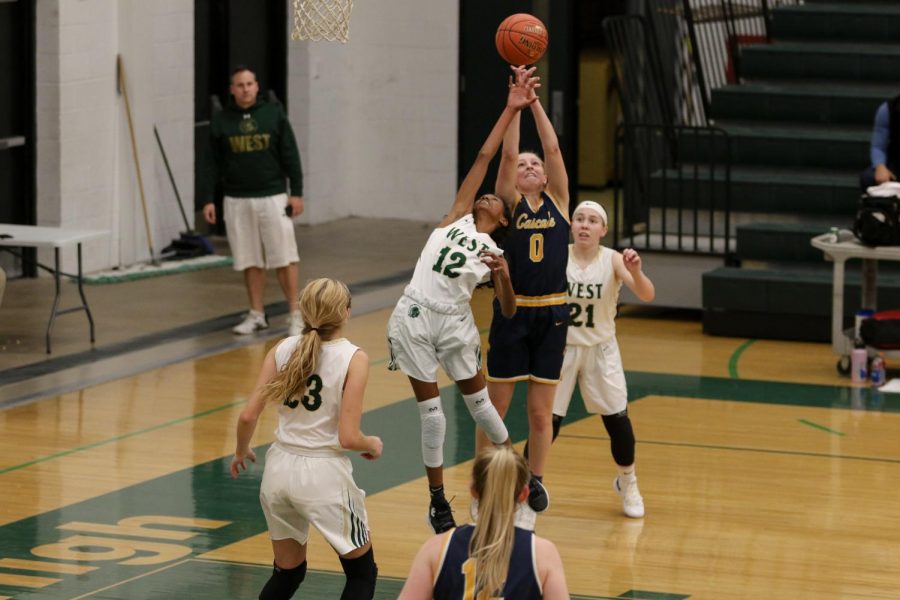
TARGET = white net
x,y
322,20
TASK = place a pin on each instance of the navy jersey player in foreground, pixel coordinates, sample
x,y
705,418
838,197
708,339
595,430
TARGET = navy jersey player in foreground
x,y
595,275
318,380
529,347
432,323
493,558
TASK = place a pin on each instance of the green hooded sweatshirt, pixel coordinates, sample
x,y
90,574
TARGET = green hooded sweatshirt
x,y
252,152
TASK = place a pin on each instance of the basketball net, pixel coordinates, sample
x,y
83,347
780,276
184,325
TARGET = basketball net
x,y
322,20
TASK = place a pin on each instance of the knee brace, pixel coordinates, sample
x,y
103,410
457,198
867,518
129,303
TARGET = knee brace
x,y
621,437
434,428
283,582
362,573
486,416
557,422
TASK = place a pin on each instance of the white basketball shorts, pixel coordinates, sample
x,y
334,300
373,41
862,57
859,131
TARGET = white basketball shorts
x,y
600,376
297,491
260,234
421,338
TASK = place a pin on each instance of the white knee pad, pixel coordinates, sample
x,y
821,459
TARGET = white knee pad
x,y
434,428
486,416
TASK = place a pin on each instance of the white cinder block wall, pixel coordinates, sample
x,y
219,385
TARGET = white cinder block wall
x,y
376,119
86,176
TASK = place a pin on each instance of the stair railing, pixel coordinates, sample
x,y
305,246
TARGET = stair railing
x,y
718,29
676,190
675,169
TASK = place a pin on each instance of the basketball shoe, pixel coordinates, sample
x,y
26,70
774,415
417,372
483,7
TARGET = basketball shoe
x,y
632,503
538,497
253,321
440,516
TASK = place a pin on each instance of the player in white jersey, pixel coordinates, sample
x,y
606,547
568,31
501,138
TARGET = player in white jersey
x,y
318,380
432,323
595,275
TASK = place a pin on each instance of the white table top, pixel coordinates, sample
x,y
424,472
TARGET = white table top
x,y
36,235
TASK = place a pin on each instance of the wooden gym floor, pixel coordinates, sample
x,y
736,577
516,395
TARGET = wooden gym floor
x,y
764,474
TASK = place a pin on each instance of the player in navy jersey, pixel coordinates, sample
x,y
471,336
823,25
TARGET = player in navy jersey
x,y
493,558
432,323
529,347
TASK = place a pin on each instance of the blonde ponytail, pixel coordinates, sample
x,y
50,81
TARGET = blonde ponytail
x,y
323,304
499,475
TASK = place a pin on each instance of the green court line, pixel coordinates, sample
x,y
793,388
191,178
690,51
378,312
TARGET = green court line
x,y
822,427
118,438
735,356
743,449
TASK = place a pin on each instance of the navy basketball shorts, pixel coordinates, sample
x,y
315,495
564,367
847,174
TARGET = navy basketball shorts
x,y
530,346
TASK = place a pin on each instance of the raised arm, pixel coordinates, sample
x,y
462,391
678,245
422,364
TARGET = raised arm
x,y
554,166
250,416
521,94
349,434
509,161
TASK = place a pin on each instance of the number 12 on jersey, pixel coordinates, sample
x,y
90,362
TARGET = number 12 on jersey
x,y
457,260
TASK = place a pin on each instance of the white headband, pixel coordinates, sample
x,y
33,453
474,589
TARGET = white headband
x,y
591,205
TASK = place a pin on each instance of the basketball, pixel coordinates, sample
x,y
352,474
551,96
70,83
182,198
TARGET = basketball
x,y
521,39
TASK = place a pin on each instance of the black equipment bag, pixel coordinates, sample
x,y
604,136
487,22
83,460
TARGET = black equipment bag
x,y
877,221
881,330
188,245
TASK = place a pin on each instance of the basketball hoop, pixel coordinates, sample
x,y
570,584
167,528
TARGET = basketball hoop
x,y
322,20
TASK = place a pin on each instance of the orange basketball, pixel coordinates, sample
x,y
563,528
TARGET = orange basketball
x,y
521,39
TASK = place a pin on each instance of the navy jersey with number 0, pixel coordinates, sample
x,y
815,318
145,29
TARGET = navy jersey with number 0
x,y
456,577
537,248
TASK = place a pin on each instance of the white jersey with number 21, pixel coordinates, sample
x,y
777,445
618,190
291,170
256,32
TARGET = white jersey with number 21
x,y
593,293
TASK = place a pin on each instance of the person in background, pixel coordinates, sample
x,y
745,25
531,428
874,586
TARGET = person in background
x,y
884,150
253,152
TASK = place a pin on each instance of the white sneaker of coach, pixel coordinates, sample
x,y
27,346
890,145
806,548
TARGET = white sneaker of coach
x,y
253,321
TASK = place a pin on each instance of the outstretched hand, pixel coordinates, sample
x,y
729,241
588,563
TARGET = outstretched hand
x,y
521,87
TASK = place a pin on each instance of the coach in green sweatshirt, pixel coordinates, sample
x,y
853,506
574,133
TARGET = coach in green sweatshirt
x,y
254,156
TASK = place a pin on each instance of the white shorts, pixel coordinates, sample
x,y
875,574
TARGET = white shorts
x,y
260,233
299,490
600,376
420,338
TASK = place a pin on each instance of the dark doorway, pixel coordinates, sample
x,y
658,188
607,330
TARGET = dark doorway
x,y
17,121
575,32
483,75
228,33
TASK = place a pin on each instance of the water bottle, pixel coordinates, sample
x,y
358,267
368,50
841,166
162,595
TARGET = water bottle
x,y
858,359
878,371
